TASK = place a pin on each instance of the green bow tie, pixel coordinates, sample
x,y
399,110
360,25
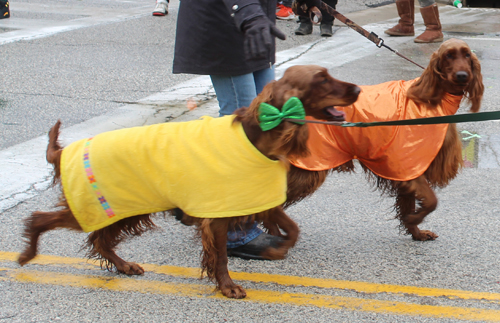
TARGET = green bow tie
x,y
270,117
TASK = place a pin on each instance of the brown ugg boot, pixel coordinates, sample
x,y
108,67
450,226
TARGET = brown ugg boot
x,y
432,33
406,11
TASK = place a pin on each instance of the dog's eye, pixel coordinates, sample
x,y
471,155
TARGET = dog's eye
x,y
449,56
467,55
324,81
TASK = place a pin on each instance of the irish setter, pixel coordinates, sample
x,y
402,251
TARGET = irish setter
x,y
405,162
127,200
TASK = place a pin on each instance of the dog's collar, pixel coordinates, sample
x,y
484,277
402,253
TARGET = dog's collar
x,y
270,117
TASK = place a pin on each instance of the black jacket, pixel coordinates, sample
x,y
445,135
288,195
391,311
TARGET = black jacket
x,y
209,40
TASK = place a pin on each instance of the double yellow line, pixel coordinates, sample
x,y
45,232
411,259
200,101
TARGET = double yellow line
x,y
261,296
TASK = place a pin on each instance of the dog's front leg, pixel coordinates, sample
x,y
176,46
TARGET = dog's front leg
x,y
414,192
215,258
278,217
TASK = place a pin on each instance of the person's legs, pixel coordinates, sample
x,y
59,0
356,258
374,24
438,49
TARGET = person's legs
x,y
406,12
430,14
305,26
327,20
262,78
234,92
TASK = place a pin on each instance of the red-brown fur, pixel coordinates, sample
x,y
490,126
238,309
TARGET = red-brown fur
x,y
454,69
311,84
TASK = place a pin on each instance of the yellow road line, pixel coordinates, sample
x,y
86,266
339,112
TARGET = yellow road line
x,y
261,296
284,280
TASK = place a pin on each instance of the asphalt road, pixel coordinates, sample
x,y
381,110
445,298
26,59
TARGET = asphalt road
x,y
103,64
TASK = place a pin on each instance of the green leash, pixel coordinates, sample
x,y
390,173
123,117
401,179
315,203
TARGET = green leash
x,y
457,118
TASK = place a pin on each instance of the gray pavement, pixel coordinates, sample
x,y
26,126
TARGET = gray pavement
x,y
103,65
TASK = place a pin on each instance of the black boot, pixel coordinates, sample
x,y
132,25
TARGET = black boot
x,y
4,9
304,29
326,30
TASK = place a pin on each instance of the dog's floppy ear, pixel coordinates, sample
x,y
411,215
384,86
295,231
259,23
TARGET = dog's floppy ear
x,y
475,90
426,89
292,93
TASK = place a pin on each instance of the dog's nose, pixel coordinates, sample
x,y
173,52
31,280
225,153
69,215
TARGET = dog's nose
x,y
462,76
356,90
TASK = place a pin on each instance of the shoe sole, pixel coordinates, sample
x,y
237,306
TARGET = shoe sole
x,y
439,40
159,14
243,255
399,34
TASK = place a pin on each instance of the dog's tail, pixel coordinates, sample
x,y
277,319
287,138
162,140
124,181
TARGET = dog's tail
x,y
54,150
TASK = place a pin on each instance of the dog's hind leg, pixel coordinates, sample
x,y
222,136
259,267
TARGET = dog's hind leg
x,y
103,242
214,260
279,218
414,201
38,223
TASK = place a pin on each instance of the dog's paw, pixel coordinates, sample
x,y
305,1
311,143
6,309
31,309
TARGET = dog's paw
x,y
233,291
425,235
25,257
275,253
131,268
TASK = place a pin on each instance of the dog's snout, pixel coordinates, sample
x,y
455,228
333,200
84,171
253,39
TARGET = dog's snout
x,y
462,76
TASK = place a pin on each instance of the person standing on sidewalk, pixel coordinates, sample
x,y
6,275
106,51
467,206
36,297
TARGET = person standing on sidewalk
x,y
233,41
161,8
306,26
430,14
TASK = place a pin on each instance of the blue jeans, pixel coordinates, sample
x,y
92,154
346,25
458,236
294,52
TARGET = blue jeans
x,y
234,92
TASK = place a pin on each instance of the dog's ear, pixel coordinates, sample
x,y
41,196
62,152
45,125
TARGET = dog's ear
x,y
292,141
475,90
426,89
292,93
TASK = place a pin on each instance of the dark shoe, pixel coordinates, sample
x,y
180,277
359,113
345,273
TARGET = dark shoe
x,y
4,9
326,30
304,29
254,248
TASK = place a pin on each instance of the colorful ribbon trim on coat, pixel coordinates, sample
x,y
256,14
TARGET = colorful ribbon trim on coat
x,y
270,117
92,181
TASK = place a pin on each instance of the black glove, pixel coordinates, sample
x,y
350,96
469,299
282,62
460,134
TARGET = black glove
x,y
258,33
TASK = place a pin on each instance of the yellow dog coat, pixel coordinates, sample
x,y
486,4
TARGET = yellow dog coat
x,y
206,167
397,153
